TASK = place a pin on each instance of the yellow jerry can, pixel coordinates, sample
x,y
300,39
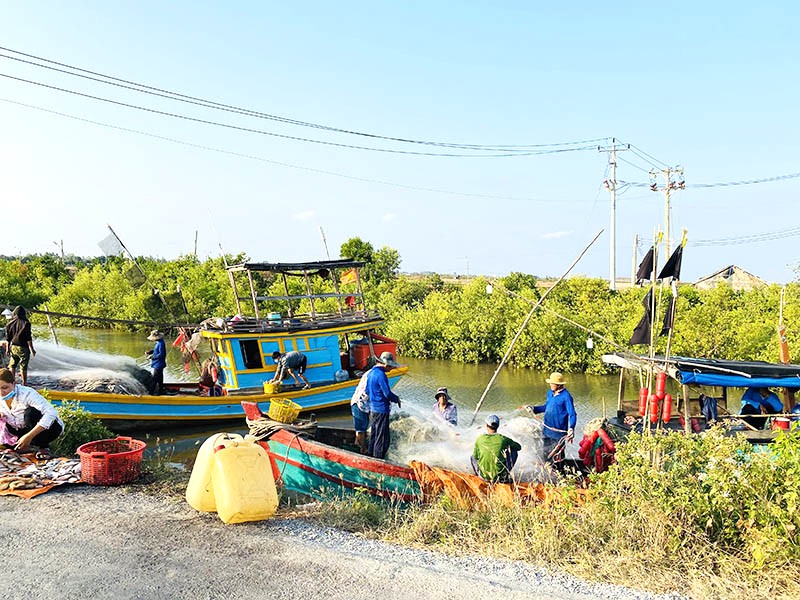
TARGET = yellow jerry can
x,y
244,489
199,492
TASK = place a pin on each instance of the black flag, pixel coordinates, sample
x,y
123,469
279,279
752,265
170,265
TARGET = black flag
x,y
645,272
673,266
669,316
641,335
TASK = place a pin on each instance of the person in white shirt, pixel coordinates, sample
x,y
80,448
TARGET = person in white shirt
x,y
26,415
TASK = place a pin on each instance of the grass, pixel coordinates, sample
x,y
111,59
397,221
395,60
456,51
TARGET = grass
x,y
638,551
702,516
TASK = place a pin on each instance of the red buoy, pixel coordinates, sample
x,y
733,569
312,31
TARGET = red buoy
x,y
661,383
653,408
643,394
666,408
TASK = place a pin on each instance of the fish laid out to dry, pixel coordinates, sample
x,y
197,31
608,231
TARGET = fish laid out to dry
x,y
18,472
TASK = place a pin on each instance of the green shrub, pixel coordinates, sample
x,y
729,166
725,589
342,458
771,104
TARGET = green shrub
x,y
80,427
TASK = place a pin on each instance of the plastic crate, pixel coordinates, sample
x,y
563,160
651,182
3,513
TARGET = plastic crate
x,y
283,410
111,462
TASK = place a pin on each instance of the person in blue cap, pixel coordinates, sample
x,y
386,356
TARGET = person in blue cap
x,y
494,454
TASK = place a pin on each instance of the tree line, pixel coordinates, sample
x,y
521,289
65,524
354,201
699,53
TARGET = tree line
x,y
429,317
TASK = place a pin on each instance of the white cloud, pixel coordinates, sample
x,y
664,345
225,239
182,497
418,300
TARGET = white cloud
x,y
389,217
555,235
305,215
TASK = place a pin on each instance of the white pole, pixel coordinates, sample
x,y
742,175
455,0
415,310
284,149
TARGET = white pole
x,y
613,270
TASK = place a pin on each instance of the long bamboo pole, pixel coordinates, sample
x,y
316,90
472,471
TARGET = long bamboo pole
x,y
525,324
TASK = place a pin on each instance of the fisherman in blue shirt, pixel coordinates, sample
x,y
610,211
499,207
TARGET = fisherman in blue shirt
x,y
559,419
380,399
754,400
158,360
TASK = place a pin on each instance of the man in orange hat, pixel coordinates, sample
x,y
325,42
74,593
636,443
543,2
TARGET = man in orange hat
x,y
559,419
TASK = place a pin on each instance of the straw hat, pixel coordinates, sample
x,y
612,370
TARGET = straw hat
x,y
155,335
556,378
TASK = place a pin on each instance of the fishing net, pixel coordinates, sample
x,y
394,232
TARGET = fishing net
x,y
58,367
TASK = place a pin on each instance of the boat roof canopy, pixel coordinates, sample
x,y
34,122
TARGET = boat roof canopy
x,y
716,372
343,263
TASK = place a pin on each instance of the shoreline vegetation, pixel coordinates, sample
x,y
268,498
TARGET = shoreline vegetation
x,y
430,318
703,515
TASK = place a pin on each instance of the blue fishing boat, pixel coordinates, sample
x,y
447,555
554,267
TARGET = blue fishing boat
x,y
333,329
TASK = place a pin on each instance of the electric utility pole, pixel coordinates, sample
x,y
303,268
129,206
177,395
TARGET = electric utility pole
x,y
669,184
611,186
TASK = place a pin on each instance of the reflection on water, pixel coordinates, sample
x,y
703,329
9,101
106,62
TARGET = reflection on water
x,y
417,434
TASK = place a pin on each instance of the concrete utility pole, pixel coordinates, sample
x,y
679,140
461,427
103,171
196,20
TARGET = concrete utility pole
x,y
60,246
611,186
669,185
635,259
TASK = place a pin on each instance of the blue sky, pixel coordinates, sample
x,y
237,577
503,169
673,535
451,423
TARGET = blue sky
x,y
713,88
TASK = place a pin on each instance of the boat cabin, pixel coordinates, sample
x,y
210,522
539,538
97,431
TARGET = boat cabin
x,y
318,309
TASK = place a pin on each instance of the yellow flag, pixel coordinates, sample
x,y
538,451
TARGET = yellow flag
x,y
348,276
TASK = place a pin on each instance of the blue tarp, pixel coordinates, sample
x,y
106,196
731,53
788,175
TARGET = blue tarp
x,y
729,380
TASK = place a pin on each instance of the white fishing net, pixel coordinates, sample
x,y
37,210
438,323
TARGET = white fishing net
x,y
59,367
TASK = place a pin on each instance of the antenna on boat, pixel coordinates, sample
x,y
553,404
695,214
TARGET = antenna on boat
x,y
324,242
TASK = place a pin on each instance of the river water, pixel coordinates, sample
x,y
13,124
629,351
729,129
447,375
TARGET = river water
x,y
416,433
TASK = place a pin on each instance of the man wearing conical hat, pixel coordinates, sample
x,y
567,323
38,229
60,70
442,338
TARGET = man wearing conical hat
x,y
559,419
158,360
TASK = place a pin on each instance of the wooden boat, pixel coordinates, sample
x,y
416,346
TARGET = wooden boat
x,y
692,377
323,463
337,335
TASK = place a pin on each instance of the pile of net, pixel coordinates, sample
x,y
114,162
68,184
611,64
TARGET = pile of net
x,y
467,490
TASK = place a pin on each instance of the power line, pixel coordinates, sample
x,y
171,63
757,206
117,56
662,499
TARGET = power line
x,y
724,183
142,88
749,239
650,156
746,181
268,161
289,137
635,166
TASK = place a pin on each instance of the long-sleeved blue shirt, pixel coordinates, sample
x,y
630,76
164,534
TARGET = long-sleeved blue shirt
x,y
559,413
771,403
380,395
158,359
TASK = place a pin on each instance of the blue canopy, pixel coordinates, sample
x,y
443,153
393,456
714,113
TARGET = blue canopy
x,y
736,373
726,380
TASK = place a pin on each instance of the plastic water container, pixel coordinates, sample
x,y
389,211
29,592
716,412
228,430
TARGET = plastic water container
x,y
781,423
274,317
244,489
199,491
341,375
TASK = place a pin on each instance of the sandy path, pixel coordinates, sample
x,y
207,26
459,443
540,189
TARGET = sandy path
x,y
115,543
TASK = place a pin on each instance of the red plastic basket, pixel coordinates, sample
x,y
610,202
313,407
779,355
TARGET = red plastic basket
x,y
111,462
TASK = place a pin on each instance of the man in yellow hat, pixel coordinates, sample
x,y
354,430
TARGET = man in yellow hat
x,y
559,419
